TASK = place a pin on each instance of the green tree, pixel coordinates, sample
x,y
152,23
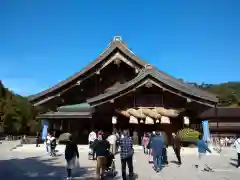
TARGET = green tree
x,y
16,112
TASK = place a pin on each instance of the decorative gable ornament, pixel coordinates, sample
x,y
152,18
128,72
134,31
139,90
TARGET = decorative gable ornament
x,y
148,84
133,120
117,38
165,120
148,66
117,61
186,120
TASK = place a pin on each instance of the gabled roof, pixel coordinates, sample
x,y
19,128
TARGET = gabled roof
x,y
162,78
114,44
157,74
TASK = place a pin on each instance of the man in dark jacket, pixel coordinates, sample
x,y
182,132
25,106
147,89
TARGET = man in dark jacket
x,y
71,156
177,147
157,145
101,147
165,141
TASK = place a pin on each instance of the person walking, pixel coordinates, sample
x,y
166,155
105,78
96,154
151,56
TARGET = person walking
x,y
38,139
101,147
112,139
237,146
48,141
177,147
150,157
157,145
126,155
165,140
202,149
71,156
145,141
91,138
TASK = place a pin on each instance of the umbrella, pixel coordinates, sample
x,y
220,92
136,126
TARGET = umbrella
x,y
64,137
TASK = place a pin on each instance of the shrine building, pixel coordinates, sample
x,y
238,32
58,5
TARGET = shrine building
x,y
117,91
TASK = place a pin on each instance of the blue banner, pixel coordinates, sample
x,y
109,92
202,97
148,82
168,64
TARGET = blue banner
x,y
44,129
206,132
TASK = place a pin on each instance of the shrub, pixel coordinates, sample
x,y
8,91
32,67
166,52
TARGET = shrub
x,y
188,135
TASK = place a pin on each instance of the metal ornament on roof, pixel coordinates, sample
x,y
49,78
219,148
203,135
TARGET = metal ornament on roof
x,y
148,84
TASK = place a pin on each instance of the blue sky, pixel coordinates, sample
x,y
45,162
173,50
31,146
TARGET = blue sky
x,y
43,42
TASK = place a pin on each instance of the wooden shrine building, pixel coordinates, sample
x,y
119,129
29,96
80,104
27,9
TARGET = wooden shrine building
x,y
119,90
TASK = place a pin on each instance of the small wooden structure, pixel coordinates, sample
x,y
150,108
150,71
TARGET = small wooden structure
x,y
223,121
119,85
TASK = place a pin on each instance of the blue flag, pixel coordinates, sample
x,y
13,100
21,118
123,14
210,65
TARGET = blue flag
x,y
44,129
206,132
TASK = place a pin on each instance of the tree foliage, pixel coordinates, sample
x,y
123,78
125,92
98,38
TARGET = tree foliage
x,y
228,93
15,111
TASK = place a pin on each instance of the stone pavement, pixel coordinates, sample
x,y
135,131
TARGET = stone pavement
x,y
19,165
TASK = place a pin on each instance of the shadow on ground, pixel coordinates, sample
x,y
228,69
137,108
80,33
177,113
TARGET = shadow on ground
x,y
35,168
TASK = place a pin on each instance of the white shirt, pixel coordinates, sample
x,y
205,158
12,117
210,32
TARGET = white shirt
x,y
237,145
48,139
112,139
92,136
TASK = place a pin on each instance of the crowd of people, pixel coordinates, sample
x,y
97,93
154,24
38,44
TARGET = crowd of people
x,y
155,145
104,148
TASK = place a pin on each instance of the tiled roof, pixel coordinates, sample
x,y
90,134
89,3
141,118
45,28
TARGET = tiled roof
x,y
163,78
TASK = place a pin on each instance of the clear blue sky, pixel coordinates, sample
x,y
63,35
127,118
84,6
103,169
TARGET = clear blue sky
x,y
45,41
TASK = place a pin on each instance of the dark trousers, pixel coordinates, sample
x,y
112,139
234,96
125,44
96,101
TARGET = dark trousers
x,y
69,173
165,158
127,161
177,153
157,159
93,150
238,162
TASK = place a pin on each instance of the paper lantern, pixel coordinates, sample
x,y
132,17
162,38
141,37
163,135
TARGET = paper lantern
x,y
165,120
149,120
186,120
114,120
157,121
133,120
141,121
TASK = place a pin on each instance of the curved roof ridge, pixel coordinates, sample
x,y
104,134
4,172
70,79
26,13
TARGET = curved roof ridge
x,y
183,84
158,76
